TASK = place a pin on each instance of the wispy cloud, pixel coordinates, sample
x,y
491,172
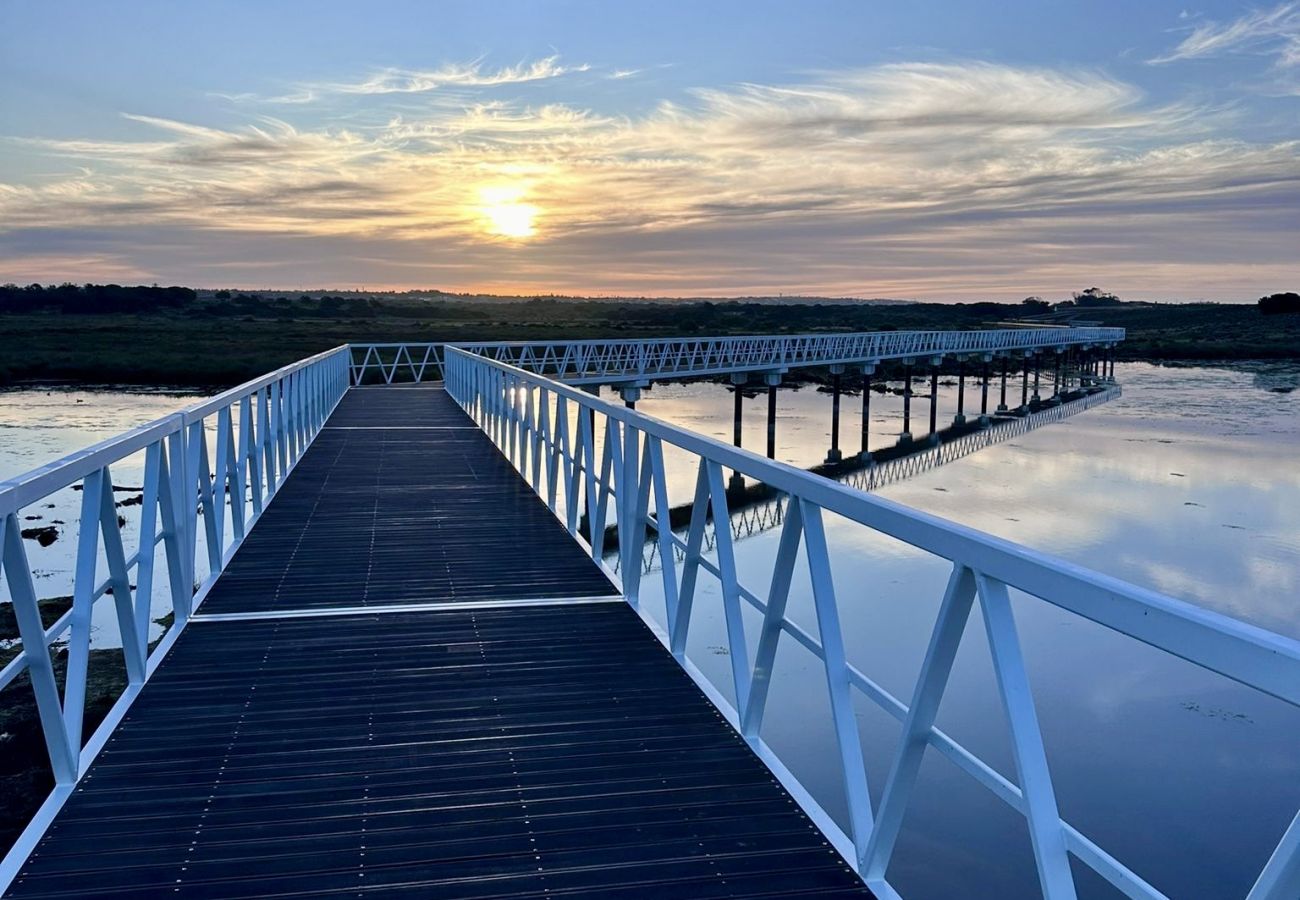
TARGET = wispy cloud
x,y
1274,31
473,74
906,179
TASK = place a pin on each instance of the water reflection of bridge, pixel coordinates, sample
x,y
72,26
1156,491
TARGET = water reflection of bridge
x,y
759,510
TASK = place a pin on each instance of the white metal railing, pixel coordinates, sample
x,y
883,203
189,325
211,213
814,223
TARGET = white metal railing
x,y
606,361
549,431
261,430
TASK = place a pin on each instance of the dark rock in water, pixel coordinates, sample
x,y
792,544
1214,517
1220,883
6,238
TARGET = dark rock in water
x,y
1281,390
121,521
31,518
137,500
44,536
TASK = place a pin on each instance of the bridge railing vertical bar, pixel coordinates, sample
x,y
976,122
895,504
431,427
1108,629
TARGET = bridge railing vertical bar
x,y
984,571
194,498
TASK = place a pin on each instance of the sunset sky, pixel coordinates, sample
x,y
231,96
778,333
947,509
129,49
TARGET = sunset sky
x,y
918,150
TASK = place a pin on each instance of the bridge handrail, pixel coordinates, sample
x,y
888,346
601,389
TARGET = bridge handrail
x,y
528,416
262,427
595,359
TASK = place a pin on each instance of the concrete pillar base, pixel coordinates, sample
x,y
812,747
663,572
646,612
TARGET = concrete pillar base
x,y
905,437
1002,408
834,456
933,440
736,483
959,419
984,421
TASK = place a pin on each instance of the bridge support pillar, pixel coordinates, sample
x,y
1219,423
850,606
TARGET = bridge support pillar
x,y
934,399
1056,376
985,359
960,418
630,391
1006,364
737,380
773,381
1024,382
868,369
906,436
834,455
1038,365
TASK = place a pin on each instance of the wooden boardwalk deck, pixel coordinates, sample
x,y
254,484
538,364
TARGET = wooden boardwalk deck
x,y
316,737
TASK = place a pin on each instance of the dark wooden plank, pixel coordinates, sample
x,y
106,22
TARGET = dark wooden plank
x,y
402,499
553,751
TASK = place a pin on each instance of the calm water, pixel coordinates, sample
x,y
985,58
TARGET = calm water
x,y
1189,484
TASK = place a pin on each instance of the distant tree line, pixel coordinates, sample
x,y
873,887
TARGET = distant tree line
x,y
91,298
1277,304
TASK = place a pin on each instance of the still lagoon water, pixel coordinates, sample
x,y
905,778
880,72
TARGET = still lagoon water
x,y
1189,484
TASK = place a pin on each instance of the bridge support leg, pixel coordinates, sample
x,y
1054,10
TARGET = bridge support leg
x,y
771,421
906,436
960,418
1006,364
736,416
1056,378
984,392
866,414
1024,383
737,481
835,455
934,403
1038,365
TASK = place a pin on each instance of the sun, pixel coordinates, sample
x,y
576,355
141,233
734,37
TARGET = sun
x,y
505,215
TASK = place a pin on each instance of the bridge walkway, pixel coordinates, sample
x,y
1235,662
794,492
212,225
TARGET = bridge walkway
x,y
411,682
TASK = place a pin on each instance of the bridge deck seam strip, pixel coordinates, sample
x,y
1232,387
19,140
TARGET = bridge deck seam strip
x,y
326,612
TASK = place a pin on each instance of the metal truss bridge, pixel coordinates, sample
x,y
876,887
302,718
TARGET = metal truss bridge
x,y
635,363
396,667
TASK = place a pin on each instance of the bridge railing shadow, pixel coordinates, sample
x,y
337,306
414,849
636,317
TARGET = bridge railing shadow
x,y
587,457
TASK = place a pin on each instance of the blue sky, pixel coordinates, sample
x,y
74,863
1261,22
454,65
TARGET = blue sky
x,y
929,150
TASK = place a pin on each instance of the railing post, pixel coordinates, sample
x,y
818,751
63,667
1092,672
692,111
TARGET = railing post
x,y
857,794
679,624
181,542
787,553
633,501
250,461
1054,876
930,684
64,753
